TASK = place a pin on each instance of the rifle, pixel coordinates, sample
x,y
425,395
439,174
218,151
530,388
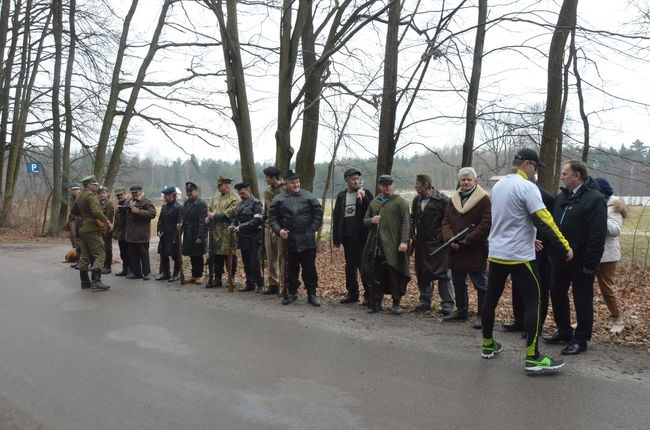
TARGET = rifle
x,y
231,253
179,251
285,269
457,238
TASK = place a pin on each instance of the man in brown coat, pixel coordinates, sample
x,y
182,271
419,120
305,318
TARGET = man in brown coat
x,y
470,204
138,233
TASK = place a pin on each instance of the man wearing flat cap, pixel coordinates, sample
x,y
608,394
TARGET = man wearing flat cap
x,y
195,230
119,229
296,215
247,224
108,207
427,212
220,212
272,243
348,230
86,207
171,214
385,253
139,214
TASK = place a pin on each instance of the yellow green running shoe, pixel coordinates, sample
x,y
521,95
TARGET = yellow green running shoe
x,y
491,350
542,364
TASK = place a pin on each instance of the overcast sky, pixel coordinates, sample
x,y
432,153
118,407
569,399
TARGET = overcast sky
x,y
512,79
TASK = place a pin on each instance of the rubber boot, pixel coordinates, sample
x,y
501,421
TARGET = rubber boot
x,y
97,283
85,280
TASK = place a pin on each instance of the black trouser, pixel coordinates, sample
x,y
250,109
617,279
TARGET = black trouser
x,y
220,262
164,263
583,300
306,260
544,269
250,258
391,282
139,259
353,250
108,248
124,254
197,265
525,276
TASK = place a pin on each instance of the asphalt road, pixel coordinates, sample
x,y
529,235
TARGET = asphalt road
x,y
154,355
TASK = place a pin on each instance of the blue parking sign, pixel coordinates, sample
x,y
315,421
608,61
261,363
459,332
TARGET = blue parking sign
x,y
33,168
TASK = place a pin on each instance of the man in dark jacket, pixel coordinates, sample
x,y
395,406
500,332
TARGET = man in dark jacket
x,y
119,229
138,233
296,215
247,222
427,212
581,214
195,230
170,217
348,230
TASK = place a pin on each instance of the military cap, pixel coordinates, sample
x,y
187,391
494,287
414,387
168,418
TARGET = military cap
x,y
223,180
89,180
423,178
101,189
168,189
385,179
135,188
530,155
271,171
119,191
75,186
291,175
242,185
191,186
350,172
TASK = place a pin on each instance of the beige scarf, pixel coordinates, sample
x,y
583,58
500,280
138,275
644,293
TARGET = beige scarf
x,y
473,200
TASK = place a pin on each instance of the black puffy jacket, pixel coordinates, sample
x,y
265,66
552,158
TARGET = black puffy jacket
x,y
582,219
301,214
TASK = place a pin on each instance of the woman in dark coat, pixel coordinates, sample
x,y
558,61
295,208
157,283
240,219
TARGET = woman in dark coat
x,y
470,204
195,230
170,217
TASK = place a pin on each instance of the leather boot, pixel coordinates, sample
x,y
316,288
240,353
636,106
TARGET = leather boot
x,y
374,306
271,289
312,298
457,315
85,280
97,283
289,299
396,309
247,287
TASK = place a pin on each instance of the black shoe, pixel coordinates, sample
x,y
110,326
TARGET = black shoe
x,y
246,288
122,273
106,271
290,299
478,324
558,337
444,311
162,277
575,348
456,316
133,276
364,303
96,283
74,266
396,309
271,289
313,300
146,277
422,307
512,326
349,299
175,277
374,306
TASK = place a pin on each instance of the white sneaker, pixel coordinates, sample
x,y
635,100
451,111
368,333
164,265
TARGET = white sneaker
x,y
617,326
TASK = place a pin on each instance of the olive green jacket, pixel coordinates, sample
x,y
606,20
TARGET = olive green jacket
x,y
87,207
223,206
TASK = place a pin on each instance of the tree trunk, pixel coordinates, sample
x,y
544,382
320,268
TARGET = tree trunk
x,y
553,120
472,98
55,227
67,102
288,54
114,165
6,80
581,100
386,150
109,115
237,89
311,114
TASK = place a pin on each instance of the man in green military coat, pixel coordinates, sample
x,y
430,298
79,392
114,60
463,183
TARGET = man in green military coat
x,y
220,211
387,219
93,222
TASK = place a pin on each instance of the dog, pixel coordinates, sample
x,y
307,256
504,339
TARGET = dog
x,y
71,256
